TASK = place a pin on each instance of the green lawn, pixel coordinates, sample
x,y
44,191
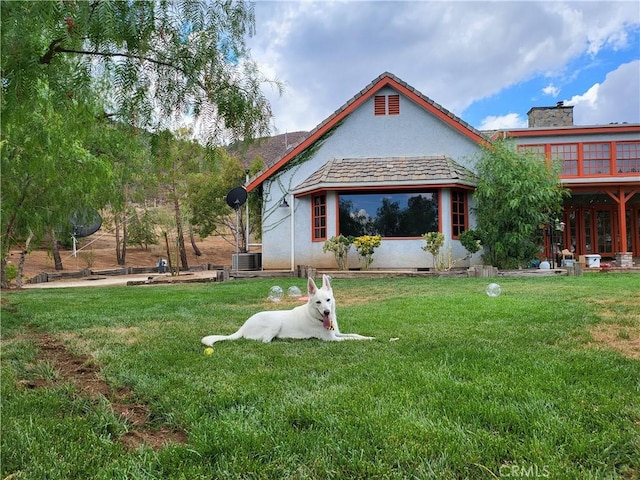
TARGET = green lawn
x,y
475,387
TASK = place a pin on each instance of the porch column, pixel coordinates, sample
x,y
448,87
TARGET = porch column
x,y
621,199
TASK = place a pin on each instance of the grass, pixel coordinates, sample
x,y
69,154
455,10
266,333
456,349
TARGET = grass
x,y
474,387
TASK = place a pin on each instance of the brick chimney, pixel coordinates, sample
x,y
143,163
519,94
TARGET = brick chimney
x,y
558,116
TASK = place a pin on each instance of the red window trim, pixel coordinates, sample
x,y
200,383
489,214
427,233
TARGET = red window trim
x,y
465,213
615,155
319,215
581,173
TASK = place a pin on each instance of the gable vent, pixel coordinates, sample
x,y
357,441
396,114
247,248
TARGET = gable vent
x,y
380,105
386,105
394,104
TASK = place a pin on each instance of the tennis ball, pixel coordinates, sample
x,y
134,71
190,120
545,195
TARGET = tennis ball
x,y
208,351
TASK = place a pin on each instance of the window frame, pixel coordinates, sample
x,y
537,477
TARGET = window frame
x,y
559,151
621,145
435,191
319,215
592,158
582,163
458,227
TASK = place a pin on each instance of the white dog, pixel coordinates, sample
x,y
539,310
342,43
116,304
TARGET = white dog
x,y
315,319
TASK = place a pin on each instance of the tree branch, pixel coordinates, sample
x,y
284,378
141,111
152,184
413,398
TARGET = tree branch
x,y
115,54
53,48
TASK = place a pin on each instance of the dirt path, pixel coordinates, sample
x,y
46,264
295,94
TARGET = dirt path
x,y
84,374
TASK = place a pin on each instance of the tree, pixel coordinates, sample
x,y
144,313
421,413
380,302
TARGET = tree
x,y
46,173
177,161
210,214
516,193
67,66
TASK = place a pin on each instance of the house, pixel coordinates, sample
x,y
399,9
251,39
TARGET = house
x,y
601,167
394,161
389,157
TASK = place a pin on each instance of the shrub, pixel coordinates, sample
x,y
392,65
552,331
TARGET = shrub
x,y
471,241
340,246
435,241
365,246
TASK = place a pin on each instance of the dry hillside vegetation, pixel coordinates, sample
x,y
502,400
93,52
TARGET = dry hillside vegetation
x,y
98,252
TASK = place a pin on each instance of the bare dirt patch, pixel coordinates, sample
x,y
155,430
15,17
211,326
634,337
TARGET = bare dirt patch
x,y
622,338
621,328
83,372
98,252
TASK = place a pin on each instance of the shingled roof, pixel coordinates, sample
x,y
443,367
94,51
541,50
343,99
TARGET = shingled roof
x,y
384,80
386,172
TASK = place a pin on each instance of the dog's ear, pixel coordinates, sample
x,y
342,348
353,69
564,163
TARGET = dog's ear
x,y
326,282
311,286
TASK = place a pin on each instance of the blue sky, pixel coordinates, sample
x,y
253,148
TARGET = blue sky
x,y
487,62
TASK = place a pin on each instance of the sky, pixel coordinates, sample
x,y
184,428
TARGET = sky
x,y
487,62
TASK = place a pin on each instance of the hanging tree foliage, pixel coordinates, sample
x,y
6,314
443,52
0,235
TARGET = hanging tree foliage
x,y
69,66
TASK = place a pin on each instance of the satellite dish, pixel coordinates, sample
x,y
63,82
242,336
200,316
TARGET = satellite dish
x,y
236,197
85,222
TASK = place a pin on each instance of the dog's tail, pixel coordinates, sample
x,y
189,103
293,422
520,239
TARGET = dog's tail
x,y
211,339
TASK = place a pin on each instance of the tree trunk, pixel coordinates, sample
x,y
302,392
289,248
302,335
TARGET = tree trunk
x,y
182,251
120,222
169,256
55,251
125,238
23,256
116,221
192,237
4,283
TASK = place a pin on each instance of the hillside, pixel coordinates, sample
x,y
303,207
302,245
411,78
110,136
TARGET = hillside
x,y
270,149
97,252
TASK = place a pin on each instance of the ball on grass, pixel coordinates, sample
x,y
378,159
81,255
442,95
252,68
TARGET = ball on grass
x,y
208,351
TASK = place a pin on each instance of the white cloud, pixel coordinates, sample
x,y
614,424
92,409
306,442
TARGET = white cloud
x,y
589,99
457,53
616,99
508,121
551,90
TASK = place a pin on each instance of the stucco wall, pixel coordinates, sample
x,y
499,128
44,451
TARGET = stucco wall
x,y
415,132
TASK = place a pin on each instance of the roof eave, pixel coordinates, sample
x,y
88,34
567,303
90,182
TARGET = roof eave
x,y
436,183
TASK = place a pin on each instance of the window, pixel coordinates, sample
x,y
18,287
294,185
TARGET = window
x,y
319,218
597,158
628,154
533,149
458,212
568,155
383,105
390,214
